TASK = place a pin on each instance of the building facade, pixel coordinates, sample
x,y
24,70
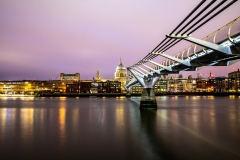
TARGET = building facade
x,y
93,86
70,77
234,81
31,86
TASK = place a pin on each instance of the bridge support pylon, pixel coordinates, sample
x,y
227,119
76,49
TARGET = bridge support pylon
x,y
148,99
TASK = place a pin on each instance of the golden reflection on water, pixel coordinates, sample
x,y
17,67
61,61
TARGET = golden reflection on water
x,y
196,97
62,112
62,98
120,123
3,121
26,123
122,97
232,96
120,117
62,118
210,97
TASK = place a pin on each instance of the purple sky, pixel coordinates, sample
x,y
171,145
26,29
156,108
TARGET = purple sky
x,y
42,38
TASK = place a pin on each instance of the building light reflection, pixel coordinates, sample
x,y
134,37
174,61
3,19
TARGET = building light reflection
x,y
232,96
62,118
62,98
119,123
120,117
122,97
26,122
3,118
163,115
210,97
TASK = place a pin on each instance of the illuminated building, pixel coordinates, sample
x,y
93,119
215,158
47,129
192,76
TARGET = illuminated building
x,y
121,74
234,81
70,77
191,84
31,86
92,86
73,88
221,84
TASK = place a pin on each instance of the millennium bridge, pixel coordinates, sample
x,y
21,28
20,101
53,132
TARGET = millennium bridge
x,y
220,48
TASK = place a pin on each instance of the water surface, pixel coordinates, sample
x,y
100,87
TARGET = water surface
x,y
183,127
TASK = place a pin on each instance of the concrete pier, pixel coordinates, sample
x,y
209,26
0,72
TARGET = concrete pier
x,y
148,99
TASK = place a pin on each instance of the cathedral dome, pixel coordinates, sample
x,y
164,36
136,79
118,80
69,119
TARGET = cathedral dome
x,y
120,67
121,71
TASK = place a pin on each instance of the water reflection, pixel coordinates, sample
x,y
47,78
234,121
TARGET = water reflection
x,y
26,123
232,96
183,127
3,120
120,116
210,97
62,121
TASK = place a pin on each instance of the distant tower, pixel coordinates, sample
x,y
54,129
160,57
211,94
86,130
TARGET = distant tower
x,y
98,76
199,75
210,76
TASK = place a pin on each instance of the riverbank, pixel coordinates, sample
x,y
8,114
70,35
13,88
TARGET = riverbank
x,y
92,95
15,95
125,95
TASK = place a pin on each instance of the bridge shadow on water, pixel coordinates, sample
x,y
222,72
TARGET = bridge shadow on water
x,y
153,145
157,147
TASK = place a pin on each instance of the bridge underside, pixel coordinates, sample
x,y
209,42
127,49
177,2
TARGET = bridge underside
x,y
206,59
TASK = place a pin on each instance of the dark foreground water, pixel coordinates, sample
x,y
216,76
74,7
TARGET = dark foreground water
x,y
183,127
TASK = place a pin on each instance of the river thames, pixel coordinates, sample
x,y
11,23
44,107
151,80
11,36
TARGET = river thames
x,y
183,127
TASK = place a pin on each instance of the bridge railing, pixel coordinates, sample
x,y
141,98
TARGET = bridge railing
x,y
228,31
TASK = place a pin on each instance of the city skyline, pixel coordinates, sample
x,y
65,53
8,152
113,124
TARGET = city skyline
x,y
41,39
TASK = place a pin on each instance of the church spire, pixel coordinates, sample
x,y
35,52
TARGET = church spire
x,y
98,75
120,61
211,76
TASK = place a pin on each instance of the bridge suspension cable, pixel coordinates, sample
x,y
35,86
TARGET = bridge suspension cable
x,y
189,27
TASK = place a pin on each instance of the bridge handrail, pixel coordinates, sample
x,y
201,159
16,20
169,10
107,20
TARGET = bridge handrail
x,y
213,35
